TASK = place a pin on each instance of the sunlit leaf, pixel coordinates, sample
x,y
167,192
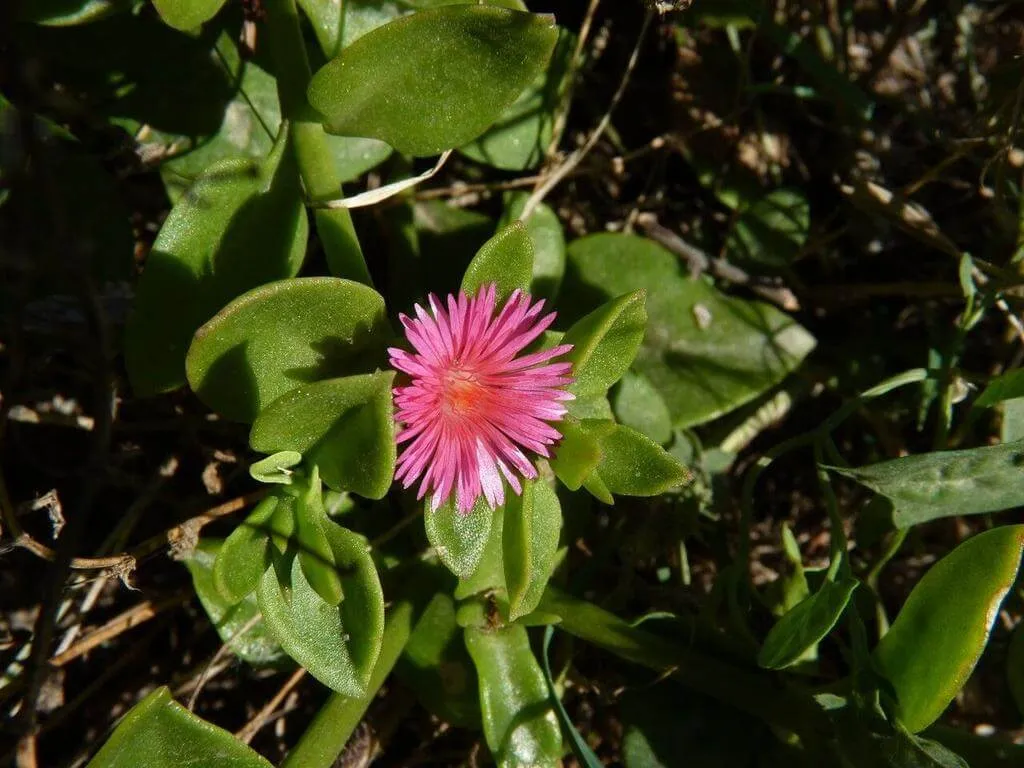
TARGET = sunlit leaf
x,y
533,523
505,260
806,624
459,539
943,627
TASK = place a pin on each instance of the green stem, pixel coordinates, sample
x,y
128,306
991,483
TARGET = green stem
x,y
757,693
312,152
333,725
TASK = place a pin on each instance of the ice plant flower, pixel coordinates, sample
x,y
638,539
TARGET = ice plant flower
x,y
473,409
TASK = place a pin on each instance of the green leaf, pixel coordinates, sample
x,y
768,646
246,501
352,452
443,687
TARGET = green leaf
x,y
946,483
280,336
434,80
459,539
943,627
520,137
706,353
237,623
772,229
315,554
533,523
584,754
241,224
344,426
244,556
519,724
806,625
639,405
505,260
545,232
579,452
338,644
1009,386
437,667
634,465
605,342
160,733
275,469
187,15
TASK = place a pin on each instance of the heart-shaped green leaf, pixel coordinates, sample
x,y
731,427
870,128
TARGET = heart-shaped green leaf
x,y
459,539
943,627
545,232
338,644
519,723
241,224
806,624
237,623
187,15
638,404
533,523
437,667
344,426
282,335
605,342
160,733
706,353
634,465
244,556
505,260
434,80
947,483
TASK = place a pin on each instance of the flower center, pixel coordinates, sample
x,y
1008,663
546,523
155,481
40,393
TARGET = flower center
x,y
461,392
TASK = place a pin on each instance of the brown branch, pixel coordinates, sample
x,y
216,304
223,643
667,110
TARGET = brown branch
x,y
249,731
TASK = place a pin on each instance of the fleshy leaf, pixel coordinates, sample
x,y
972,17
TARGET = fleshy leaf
x,y
947,483
434,80
280,336
634,465
706,352
579,452
639,405
519,724
545,232
244,556
459,539
187,15
160,733
338,644
533,523
240,225
275,469
315,554
234,621
505,260
605,343
1009,386
806,624
344,426
944,625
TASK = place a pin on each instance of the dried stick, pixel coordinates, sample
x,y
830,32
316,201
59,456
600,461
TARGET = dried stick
x,y
246,734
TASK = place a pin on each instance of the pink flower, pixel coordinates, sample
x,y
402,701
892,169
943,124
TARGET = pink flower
x,y
473,408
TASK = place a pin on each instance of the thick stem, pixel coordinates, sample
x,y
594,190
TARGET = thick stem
x,y
758,693
333,725
312,151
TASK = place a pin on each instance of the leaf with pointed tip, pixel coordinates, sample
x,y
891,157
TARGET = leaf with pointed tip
x,y
244,556
806,624
505,260
941,630
459,539
533,523
338,644
605,342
